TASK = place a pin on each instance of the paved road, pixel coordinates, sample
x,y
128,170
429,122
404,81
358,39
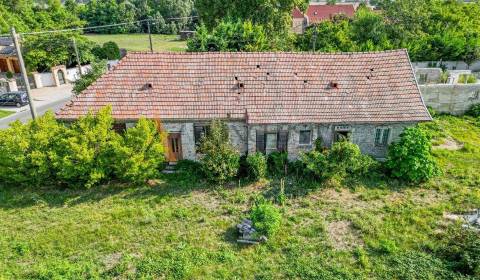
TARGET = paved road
x,y
44,99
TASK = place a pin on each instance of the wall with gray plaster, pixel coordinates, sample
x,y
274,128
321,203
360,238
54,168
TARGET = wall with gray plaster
x,y
451,98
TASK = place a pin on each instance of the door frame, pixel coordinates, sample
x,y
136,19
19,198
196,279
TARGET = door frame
x,y
174,152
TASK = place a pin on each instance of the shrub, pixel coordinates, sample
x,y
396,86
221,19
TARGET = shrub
x,y
467,79
474,111
265,217
315,164
318,144
84,156
411,158
462,251
111,51
26,149
277,163
140,153
220,161
256,166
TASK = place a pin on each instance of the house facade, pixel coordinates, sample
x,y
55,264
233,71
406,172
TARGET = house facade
x,y
270,101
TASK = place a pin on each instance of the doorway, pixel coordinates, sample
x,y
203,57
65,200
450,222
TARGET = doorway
x,y
174,147
61,77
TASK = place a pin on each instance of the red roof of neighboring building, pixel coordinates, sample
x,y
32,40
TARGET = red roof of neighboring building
x,y
317,13
261,88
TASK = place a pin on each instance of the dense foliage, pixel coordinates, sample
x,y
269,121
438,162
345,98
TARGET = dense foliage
x,y
266,218
45,51
230,36
97,70
434,30
462,251
220,161
343,159
277,163
256,166
474,111
83,154
109,51
410,158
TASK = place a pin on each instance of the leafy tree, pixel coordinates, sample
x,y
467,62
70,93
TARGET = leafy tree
x,y
140,153
410,158
220,161
106,12
45,51
228,36
85,155
97,70
25,151
109,51
274,15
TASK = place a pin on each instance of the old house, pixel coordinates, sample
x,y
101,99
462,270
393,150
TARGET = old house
x,y
270,101
317,13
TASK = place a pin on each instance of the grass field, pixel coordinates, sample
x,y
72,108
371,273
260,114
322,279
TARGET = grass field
x,y
184,229
4,113
140,42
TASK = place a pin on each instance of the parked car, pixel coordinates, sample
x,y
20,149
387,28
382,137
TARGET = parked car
x,y
16,98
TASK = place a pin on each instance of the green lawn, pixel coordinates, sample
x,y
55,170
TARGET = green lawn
x,y
140,42
4,113
184,229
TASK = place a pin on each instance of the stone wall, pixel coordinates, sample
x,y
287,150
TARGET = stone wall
x,y
450,65
451,98
432,75
361,134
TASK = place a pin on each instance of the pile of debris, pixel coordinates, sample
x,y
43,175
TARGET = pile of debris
x,y
248,234
471,219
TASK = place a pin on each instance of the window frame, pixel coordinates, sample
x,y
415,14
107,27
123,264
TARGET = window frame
x,y
380,139
300,143
271,150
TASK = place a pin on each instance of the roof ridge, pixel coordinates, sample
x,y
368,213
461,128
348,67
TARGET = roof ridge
x,y
267,52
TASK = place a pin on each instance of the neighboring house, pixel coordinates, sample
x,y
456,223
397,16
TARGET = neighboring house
x,y
270,101
8,56
317,13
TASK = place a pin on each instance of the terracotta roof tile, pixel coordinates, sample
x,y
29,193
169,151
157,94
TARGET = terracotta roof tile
x,y
320,12
260,87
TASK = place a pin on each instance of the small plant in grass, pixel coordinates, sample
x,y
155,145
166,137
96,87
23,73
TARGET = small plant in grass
x,y
266,218
411,158
256,166
220,161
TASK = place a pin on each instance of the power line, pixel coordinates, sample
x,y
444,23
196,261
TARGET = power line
x,y
98,26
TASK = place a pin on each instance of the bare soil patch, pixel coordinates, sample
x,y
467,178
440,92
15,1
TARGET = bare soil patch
x,y
343,235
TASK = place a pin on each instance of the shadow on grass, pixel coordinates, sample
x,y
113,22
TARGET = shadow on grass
x,y
168,185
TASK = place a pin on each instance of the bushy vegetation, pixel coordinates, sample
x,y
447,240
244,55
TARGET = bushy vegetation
x,y
229,36
474,111
266,218
430,32
467,79
220,161
343,159
82,155
462,250
278,163
109,51
256,166
410,158
97,70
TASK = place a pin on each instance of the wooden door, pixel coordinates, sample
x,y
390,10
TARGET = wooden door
x,y
174,147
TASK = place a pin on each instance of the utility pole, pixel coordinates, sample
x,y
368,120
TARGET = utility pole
x,y
24,72
78,57
149,35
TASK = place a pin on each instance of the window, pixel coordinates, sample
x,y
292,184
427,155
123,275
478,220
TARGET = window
x,y
305,137
381,136
200,131
423,78
271,142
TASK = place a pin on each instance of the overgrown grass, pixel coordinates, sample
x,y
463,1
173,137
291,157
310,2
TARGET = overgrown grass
x,y
140,42
184,229
4,113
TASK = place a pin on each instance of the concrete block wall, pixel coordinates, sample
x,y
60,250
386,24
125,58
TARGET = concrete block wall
x,y
451,98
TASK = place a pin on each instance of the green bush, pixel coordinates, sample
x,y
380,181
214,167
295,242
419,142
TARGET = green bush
x,y
220,161
318,144
277,163
266,218
26,150
85,155
411,158
256,166
474,111
462,251
344,158
467,79
140,153
111,50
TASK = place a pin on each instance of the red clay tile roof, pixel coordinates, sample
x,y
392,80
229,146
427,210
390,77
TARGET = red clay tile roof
x,y
317,13
263,88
